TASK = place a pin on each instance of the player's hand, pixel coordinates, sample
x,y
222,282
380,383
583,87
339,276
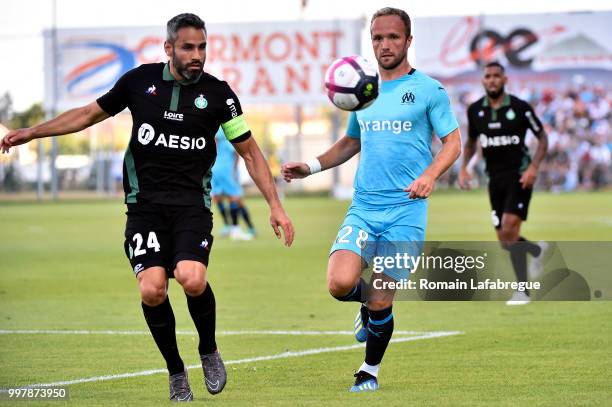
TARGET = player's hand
x,y
465,178
421,187
529,177
280,220
14,138
293,170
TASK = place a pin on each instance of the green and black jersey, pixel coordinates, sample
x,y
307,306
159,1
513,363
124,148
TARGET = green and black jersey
x,y
502,133
172,147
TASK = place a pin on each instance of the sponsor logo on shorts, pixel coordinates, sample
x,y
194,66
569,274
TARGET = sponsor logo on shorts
x,y
138,268
204,244
146,134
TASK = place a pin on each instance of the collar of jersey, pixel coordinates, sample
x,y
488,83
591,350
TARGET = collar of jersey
x,y
403,77
167,76
505,102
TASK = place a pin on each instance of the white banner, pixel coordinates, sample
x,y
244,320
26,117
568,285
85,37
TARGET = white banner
x,y
275,62
450,46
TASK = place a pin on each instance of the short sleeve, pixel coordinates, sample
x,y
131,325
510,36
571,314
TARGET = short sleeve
x,y
352,129
440,113
116,99
233,124
534,124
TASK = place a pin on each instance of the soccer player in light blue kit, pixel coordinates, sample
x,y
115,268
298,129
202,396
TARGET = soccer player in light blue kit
x,y
395,176
225,185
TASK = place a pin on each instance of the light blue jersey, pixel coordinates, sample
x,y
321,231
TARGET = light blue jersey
x,y
396,134
224,180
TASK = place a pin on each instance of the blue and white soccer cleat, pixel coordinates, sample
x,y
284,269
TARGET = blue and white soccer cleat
x,y
361,324
364,382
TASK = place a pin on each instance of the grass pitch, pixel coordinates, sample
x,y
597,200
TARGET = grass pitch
x,y
62,268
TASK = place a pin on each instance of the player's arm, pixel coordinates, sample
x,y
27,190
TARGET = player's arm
x,y
339,153
72,121
260,172
528,177
423,186
469,149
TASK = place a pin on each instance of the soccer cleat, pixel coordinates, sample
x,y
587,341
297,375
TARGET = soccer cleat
x,y
536,265
519,298
215,375
225,232
179,387
364,382
361,324
252,232
238,234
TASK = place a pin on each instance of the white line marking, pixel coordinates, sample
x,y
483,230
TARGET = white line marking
x,y
248,332
284,355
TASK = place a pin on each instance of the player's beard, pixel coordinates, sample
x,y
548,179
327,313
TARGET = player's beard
x,y
495,94
185,72
394,64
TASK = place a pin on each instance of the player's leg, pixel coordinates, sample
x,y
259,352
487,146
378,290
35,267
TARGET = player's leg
x,y
218,200
515,207
246,216
193,243
403,233
152,283
236,232
148,248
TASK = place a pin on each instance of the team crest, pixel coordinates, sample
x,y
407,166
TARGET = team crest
x,y
510,115
408,98
200,102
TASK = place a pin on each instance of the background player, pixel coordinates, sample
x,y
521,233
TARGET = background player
x,y
500,121
176,109
226,187
394,178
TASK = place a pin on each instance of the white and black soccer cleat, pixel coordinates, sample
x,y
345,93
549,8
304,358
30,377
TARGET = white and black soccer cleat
x,y
215,375
179,387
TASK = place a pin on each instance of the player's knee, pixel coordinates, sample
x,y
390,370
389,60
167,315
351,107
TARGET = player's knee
x,y
151,294
507,237
192,281
340,286
194,285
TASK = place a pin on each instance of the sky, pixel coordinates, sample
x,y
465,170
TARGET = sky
x,y
21,42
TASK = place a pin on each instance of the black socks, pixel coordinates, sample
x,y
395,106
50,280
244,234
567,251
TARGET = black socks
x,y
380,329
160,320
203,312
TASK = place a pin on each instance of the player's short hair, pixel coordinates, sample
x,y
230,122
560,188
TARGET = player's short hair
x,y
181,21
495,64
390,11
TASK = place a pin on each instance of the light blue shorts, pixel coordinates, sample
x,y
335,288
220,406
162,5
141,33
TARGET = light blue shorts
x,y
383,233
226,185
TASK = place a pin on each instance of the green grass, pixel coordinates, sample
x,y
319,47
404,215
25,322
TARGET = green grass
x,y
62,267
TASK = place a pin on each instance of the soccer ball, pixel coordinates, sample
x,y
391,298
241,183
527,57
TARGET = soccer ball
x,y
352,83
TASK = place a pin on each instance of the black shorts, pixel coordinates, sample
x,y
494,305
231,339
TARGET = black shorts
x,y
163,235
507,196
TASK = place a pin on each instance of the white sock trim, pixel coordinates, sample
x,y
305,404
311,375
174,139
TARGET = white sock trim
x,y
373,370
314,165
